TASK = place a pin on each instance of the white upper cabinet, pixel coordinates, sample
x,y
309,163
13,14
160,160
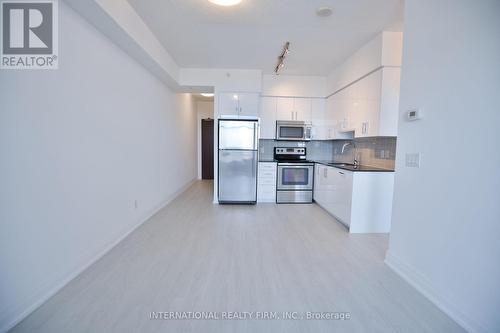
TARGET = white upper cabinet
x,y
389,102
249,104
293,108
384,50
302,109
284,108
228,104
366,87
336,118
365,105
239,104
267,116
318,119
369,106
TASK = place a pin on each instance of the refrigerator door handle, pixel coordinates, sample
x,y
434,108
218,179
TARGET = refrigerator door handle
x,y
256,135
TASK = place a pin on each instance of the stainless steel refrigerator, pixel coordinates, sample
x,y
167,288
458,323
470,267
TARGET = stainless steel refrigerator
x,y
238,161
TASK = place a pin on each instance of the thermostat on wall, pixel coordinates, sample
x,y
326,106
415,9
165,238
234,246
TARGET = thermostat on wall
x,y
414,114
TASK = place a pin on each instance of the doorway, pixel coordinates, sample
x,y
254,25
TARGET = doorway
x,y
207,148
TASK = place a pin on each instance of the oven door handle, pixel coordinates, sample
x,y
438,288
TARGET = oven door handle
x,y
295,165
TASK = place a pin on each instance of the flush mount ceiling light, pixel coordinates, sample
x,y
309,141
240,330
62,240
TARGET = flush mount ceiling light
x,y
281,58
324,11
225,2
207,94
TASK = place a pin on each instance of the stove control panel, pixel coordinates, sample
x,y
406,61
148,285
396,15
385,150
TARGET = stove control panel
x,y
293,153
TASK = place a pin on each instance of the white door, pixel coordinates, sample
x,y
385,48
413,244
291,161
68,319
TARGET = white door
x,y
267,118
228,104
331,117
319,191
284,108
389,102
341,106
302,109
340,195
367,105
318,119
248,104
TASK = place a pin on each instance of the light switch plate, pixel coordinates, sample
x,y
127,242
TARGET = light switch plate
x,y
412,160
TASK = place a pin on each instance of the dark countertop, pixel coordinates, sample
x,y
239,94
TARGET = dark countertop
x,y
360,168
348,167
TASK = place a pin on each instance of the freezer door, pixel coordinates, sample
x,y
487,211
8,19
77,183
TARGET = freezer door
x,y
238,134
237,176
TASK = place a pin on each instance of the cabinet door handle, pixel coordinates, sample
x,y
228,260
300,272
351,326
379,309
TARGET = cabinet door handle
x,y
325,170
341,172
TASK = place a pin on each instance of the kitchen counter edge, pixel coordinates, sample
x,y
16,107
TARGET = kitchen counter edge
x,y
362,168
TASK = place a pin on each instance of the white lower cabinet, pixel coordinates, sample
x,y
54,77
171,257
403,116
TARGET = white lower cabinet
x,y
362,201
319,193
266,182
339,193
333,191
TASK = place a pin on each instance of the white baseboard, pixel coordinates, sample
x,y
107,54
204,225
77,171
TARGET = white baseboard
x,y
39,298
419,282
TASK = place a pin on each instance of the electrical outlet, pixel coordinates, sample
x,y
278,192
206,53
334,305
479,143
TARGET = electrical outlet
x,y
412,160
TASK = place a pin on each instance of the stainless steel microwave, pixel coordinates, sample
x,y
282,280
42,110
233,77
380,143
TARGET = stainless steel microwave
x,y
293,130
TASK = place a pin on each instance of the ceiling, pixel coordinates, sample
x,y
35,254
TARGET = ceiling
x,y
199,34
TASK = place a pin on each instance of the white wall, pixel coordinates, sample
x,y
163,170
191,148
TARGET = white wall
x,y
119,21
249,80
205,109
446,214
292,85
78,146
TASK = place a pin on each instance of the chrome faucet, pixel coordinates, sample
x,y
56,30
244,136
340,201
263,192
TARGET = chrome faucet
x,y
355,160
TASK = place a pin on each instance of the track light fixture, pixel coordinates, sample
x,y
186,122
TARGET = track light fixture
x,y
281,58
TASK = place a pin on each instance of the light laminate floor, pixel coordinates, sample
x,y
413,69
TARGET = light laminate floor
x,y
196,256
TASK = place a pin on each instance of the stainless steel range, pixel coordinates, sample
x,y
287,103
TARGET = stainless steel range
x,y
295,175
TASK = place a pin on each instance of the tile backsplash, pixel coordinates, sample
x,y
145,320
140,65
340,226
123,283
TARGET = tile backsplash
x,y
316,150
379,152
